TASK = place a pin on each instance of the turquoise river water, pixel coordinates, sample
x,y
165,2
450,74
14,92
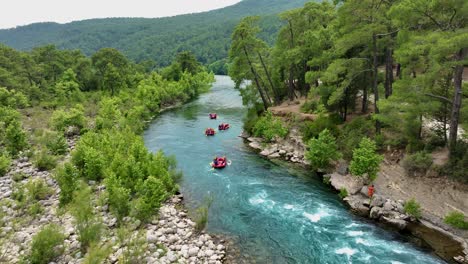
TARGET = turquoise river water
x,y
277,214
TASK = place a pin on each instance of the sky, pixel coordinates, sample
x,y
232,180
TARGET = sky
x,y
22,12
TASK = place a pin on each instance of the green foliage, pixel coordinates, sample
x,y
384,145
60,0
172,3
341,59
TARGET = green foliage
x,y
365,160
152,193
12,98
19,176
73,117
352,134
322,150
97,253
67,180
38,189
35,209
313,129
5,162
269,127
201,218
418,162
55,142
119,198
88,227
135,249
12,137
46,245
413,208
44,161
343,193
456,219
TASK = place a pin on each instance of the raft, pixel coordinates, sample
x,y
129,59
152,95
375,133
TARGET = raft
x,y
221,163
223,126
210,132
213,116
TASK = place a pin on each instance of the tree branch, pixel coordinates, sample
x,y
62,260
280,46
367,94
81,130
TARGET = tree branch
x,y
442,98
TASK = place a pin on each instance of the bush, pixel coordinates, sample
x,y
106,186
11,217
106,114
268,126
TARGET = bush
x,y
56,143
343,193
322,150
38,190
86,222
135,249
365,159
44,161
97,254
312,129
309,107
268,127
67,179
413,208
46,245
352,134
119,198
15,138
19,176
456,219
418,162
5,163
201,218
152,193
73,117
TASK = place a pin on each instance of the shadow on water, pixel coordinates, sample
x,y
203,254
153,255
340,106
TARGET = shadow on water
x,y
276,213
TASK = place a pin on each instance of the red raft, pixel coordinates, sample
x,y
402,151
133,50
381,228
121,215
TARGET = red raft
x,y
209,131
213,116
219,162
223,126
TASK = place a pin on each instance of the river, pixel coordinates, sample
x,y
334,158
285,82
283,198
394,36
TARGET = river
x,y
277,214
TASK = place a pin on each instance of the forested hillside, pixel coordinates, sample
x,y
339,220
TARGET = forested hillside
x,y
206,34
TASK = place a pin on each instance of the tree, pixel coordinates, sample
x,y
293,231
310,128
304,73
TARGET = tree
x,y
365,159
322,150
441,27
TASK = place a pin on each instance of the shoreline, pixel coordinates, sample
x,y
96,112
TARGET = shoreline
x,y
428,232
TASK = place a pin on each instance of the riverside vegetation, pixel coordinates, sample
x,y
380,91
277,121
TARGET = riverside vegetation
x,y
79,121
378,78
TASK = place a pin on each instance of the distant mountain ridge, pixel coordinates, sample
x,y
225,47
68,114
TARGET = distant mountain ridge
x,y
207,34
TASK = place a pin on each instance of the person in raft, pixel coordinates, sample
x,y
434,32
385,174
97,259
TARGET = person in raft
x,y
215,161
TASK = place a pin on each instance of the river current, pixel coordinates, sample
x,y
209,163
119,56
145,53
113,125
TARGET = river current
x,y
276,214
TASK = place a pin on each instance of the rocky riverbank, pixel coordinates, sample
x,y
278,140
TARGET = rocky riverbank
x,y
426,232
170,237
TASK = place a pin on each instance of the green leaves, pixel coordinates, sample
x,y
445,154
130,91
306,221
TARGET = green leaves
x,y
269,127
366,160
322,150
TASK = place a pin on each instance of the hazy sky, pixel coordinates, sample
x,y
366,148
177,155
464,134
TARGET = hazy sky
x,y
22,12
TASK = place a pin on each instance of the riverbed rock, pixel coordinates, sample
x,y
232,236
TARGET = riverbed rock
x,y
375,212
357,204
377,200
342,167
352,184
400,224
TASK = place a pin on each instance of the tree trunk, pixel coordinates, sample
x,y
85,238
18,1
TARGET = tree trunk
x,y
388,72
457,100
398,70
265,103
291,84
273,88
375,82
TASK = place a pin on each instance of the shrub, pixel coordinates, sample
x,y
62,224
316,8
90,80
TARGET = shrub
x,y
152,193
201,218
313,129
15,138
97,254
269,127
309,106
73,117
35,209
119,198
418,162
38,190
352,134
44,161
19,176
456,219
322,150
343,193
365,159
56,143
86,222
413,208
46,245
135,249
5,163
67,179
